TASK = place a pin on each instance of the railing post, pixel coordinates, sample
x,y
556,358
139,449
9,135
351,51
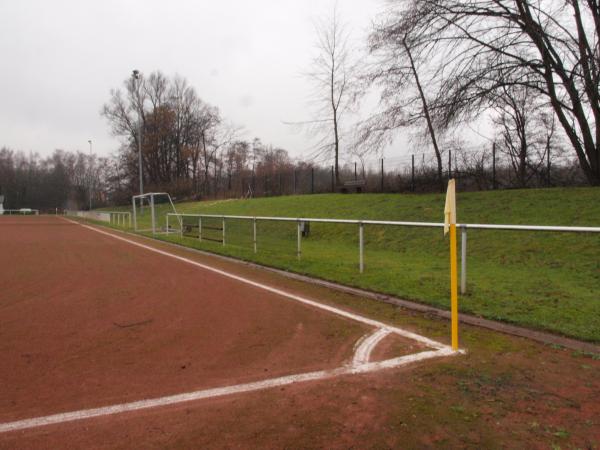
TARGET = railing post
x,y
200,229
361,247
153,216
254,234
463,260
299,228
223,231
181,228
168,228
134,215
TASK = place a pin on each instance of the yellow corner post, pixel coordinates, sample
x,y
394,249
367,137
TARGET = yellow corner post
x,y
450,226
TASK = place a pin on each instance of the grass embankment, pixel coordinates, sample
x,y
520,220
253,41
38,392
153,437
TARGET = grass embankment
x,y
548,281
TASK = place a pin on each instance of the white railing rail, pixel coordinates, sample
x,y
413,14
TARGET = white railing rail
x,y
300,221
24,212
120,218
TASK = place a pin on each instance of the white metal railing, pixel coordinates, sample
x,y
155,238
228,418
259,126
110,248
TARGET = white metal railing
x,y
100,216
361,224
119,218
23,212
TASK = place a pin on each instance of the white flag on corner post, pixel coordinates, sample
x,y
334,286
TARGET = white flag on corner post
x,y
450,208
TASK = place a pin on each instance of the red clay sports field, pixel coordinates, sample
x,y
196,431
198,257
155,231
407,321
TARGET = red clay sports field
x,y
104,330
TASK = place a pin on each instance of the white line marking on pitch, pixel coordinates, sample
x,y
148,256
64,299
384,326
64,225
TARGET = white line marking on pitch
x,y
365,346
360,362
219,392
339,312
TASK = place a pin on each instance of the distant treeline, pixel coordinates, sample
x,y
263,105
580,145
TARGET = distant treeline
x,y
62,180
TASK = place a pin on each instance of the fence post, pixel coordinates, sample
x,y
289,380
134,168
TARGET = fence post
x,y
494,165
299,251
223,231
332,181
152,212
294,181
361,247
254,234
412,177
463,260
134,215
382,175
312,180
548,160
200,229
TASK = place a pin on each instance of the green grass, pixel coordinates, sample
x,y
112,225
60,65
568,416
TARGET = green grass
x,y
548,281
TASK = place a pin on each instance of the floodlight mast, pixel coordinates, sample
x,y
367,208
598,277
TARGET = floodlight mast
x,y
136,80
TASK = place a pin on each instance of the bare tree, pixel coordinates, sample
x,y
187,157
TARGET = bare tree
x,y
476,47
403,93
334,95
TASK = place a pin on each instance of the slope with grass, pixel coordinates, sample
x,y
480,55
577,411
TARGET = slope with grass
x,y
548,281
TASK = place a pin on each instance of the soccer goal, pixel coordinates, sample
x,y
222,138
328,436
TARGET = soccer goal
x,y
150,210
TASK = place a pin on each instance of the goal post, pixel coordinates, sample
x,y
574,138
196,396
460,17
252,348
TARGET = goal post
x,y
150,210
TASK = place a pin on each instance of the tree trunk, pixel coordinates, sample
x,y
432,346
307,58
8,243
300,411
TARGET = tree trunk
x,y
438,155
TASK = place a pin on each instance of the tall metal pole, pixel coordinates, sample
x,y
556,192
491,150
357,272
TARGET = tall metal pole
x,y
463,260
361,247
136,77
90,169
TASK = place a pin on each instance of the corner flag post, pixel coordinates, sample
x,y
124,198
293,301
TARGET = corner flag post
x,y
450,225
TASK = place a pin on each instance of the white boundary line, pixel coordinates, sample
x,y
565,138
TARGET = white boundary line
x,y
360,362
219,392
365,346
358,318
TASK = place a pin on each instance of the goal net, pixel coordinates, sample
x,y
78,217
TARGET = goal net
x,y
150,211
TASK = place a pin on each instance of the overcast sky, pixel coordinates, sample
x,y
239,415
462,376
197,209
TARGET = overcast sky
x,y
62,57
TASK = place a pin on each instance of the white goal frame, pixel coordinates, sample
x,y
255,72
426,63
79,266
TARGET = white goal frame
x,y
140,199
